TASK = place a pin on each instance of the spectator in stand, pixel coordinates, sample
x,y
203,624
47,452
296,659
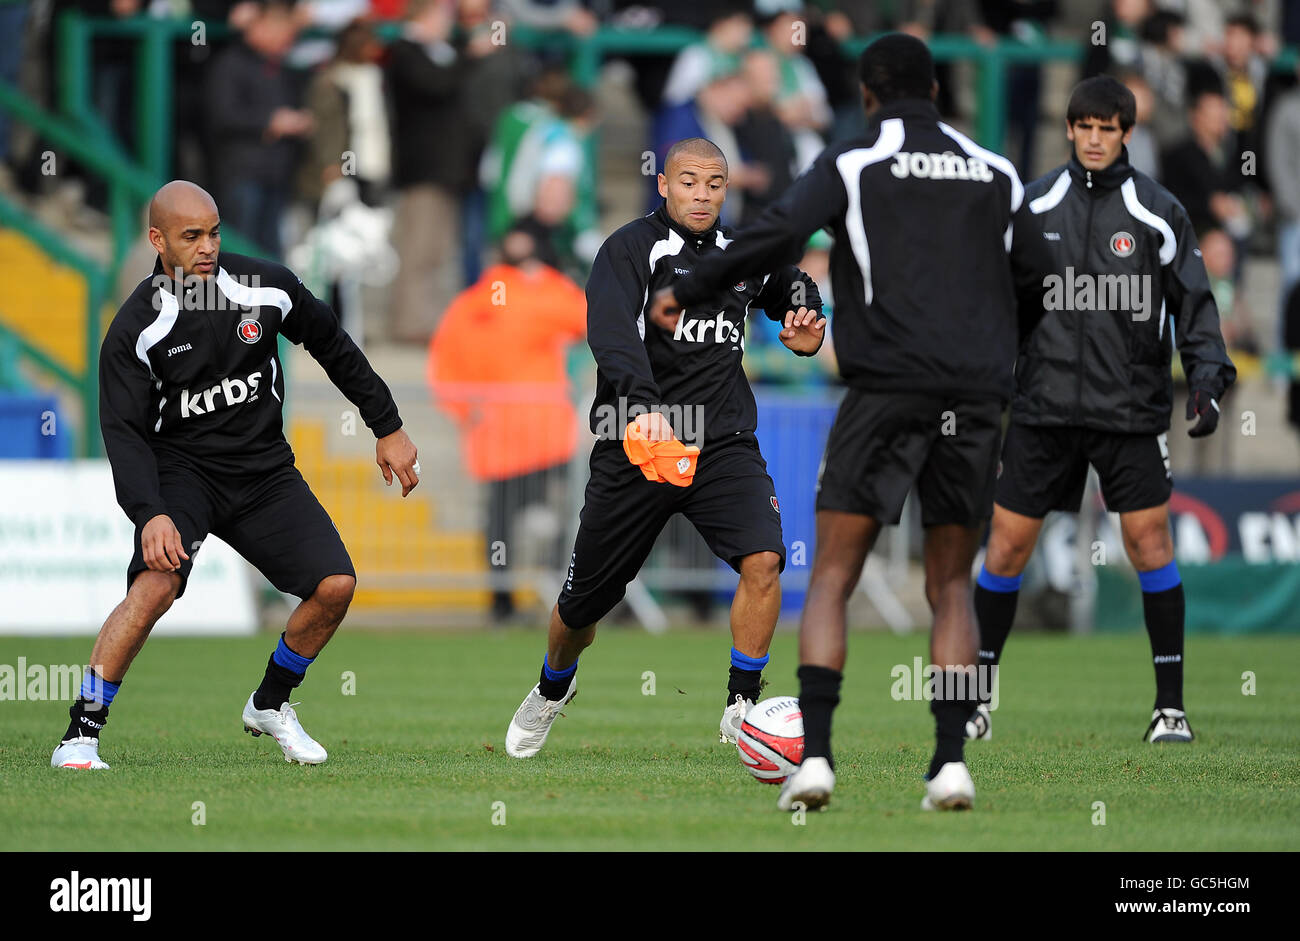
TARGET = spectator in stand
x,y
1165,70
256,125
718,54
1204,24
924,18
533,168
1204,175
493,81
801,101
1282,147
765,142
1243,71
350,118
1027,21
1117,46
432,166
715,114
513,407
1143,154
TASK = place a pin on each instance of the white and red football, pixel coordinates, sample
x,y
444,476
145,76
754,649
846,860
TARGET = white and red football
x,y
771,739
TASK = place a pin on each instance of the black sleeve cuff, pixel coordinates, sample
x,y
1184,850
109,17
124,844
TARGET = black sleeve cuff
x,y
386,428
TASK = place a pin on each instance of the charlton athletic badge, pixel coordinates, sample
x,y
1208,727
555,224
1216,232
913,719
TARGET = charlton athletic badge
x,y
250,331
776,506
1122,244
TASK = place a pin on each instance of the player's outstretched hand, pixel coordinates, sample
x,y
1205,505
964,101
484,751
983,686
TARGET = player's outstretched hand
x,y
1201,404
395,454
804,330
664,309
160,544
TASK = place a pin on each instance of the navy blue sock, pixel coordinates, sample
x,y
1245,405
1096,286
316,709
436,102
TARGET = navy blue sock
x,y
746,676
555,683
89,713
995,609
284,673
1164,609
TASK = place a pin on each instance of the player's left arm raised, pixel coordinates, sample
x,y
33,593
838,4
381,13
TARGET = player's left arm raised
x,y
792,299
1188,296
311,323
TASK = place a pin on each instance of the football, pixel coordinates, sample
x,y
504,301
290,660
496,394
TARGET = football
x,y
771,739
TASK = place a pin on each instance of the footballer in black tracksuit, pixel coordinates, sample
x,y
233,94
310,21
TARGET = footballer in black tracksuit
x,y
925,225
191,408
925,304
695,378
1125,285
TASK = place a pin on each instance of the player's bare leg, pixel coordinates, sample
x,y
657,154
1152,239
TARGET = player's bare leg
x,y
843,541
128,626
316,618
754,610
954,642
565,644
555,689
1012,538
310,628
120,639
1150,547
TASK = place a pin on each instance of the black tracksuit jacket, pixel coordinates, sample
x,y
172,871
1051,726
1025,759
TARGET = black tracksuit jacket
x,y
189,374
699,364
1118,233
925,285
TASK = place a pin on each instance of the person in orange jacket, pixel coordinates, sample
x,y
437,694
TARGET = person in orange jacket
x,y
497,366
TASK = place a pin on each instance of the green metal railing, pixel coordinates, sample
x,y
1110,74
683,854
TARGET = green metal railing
x,y
82,137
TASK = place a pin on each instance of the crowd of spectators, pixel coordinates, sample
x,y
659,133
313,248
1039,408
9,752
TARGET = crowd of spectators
x,y
430,110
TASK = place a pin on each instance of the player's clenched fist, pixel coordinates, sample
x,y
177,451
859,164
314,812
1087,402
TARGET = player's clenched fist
x,y
160,545
396,456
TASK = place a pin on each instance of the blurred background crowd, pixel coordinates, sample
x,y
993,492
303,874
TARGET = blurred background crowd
x,y
431,109
412,159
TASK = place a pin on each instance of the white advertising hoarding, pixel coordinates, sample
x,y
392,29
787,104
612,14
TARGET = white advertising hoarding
x,y
64,550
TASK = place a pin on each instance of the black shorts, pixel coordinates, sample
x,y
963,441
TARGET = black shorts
x,y
1044,469
884,442
273,520
731,503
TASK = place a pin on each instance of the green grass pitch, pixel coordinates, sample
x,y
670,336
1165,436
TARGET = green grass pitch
x,y
417,759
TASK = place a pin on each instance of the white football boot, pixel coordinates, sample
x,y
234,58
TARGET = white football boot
x,y
980,724
732,716
532,720
80,752
282,725
1168,725
950,789
810,785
